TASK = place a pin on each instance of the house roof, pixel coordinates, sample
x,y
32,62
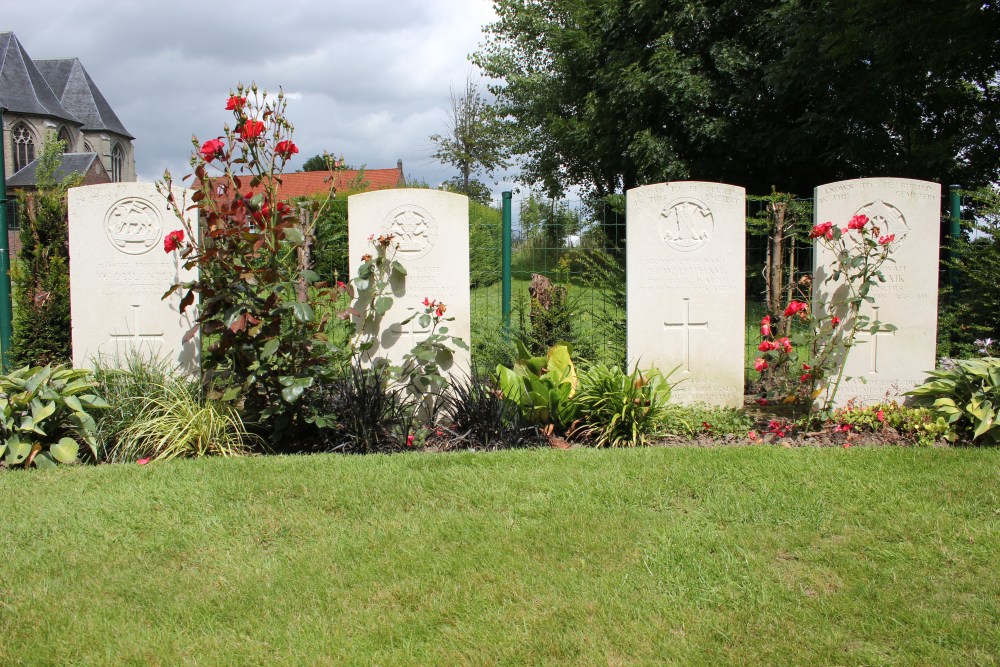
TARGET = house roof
x,y
308,183
70,163
80,96
23,88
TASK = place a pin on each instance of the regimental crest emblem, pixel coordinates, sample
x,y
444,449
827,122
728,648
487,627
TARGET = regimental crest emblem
x,y
414,229
686,224
133,226
888,219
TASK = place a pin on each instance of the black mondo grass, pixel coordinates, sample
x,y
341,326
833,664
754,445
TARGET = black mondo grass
x,y
479,416
371,414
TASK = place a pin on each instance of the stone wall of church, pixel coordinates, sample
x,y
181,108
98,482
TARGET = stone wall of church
x,y
41,129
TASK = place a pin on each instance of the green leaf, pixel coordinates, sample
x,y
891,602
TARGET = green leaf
x,y
73,403
310,276
17,451
66,450
43,460
398,268
40,413
383,304
292,393
231,394
303,312
270,347
294,235
424,320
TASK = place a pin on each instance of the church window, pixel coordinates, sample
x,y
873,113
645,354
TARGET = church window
x,y
64,137
117,163
23,146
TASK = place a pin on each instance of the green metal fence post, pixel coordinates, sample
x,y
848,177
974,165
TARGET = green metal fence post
x,y
6,310
505,259
955,232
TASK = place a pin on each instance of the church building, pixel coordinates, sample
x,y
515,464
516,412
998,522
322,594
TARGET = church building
x,y
56,99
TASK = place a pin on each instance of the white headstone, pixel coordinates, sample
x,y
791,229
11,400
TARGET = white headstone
x,y
431,228
686,286
884,364
119,273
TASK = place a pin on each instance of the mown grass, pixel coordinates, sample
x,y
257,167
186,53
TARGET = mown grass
x,y
650,556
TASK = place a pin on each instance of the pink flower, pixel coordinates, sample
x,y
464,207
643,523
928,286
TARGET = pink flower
x,y
173,240
371,237
762,402
752,435
786,345
847,445
858,222
880,415
804,378
885,240
341,284
409,441
440,310
759,364
251,129
212,149
767,346
286,149
795,307
765,326
143,462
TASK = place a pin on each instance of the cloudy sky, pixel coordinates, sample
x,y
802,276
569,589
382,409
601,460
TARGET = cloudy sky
x,y
367,79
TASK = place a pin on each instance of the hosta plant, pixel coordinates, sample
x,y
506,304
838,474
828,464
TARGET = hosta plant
x,y
45,415
542,386
967,396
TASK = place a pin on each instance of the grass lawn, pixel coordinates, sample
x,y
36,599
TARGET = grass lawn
x,y
582,557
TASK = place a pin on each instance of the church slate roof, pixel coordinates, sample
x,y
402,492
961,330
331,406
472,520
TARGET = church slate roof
x,y
80,96
69,163
23,89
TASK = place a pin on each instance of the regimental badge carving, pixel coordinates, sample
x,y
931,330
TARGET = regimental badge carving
x,y
133,226
686,224
414,228
888,219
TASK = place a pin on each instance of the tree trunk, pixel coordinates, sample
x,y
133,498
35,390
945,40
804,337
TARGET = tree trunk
x,y
775,266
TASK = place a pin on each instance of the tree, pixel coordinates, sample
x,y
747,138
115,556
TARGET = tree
x,y
41,327
472,141
324,162
608,95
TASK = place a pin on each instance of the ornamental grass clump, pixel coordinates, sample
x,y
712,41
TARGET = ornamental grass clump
x,y
618,409
179,423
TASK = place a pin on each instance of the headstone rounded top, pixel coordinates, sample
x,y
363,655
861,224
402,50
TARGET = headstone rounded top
x,y
133,225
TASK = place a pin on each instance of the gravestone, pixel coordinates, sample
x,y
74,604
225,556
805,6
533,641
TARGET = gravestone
x,y
686,286
431,228
885,363
119,272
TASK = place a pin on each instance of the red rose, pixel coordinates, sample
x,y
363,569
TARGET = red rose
x,y
759,365
236,103
251,129
767,346
794,307
173,240
834,320
825,230
212,149
765,326
885,240
785,344
286,149
858,221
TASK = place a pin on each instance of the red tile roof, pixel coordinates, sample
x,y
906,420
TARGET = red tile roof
x,y
306,183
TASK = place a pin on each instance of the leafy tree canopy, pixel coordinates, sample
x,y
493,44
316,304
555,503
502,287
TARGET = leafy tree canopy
x,y
610,94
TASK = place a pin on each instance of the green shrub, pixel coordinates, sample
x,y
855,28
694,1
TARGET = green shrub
x,y
485,227
967,397
45,415
40,276
921,423
618,409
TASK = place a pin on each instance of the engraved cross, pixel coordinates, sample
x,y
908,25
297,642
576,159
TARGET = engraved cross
x,y
135,337
873,337
413,327
686,327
